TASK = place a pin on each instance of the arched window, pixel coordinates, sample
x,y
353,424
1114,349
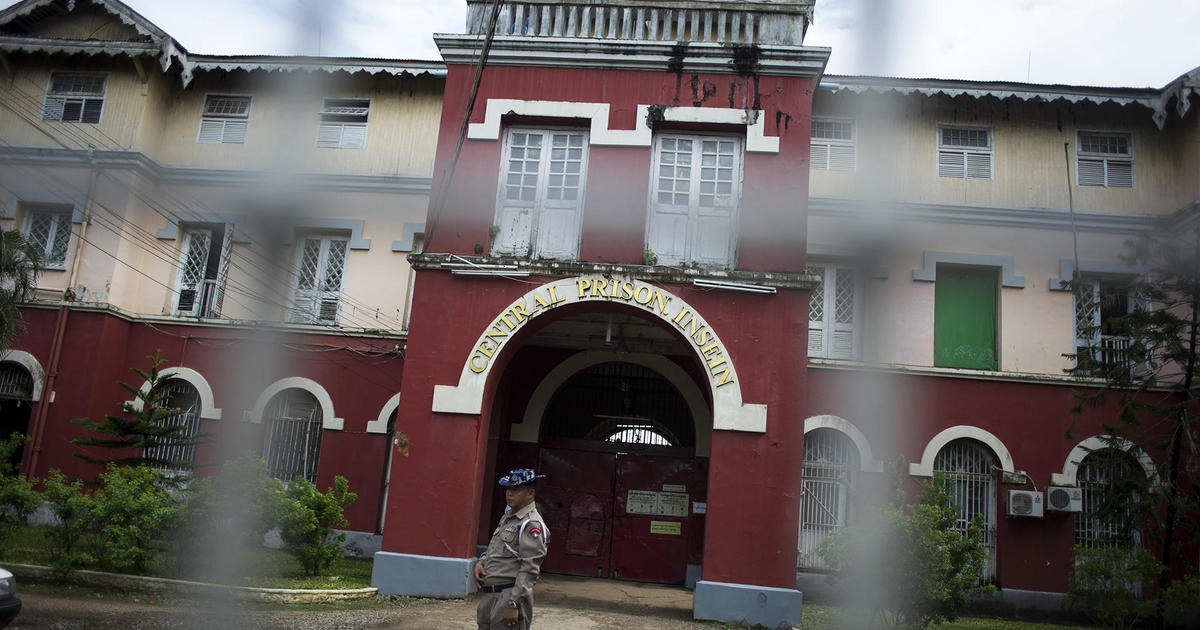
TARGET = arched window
x,y
1099,472
969,467
293,435
181,396
831,464
16,403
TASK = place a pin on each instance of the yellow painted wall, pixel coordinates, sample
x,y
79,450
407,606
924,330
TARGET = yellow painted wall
x,y
86,22
897,153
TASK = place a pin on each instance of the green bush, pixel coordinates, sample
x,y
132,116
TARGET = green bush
x,y
306,521
911,565
136,513
18,499
75,510
240,502
1182,600
1104,584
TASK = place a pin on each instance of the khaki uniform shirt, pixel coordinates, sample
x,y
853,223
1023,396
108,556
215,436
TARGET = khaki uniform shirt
x,y
515,553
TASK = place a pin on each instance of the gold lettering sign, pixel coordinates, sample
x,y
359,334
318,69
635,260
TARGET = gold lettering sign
x,y
611,289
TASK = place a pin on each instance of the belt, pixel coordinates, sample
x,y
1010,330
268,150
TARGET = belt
x,y
496,588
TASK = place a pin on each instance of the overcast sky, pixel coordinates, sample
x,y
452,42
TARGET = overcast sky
x,y
1081,42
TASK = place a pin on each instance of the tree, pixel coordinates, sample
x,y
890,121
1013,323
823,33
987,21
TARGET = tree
x,y
143,425
909,565
20,266
1154,380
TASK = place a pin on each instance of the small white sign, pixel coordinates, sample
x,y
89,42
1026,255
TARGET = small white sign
x,y
670,487
699,507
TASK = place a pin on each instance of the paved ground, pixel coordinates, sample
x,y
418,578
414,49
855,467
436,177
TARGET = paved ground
x,y
563,603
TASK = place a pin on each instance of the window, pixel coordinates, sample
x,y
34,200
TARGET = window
x,y
74,97
964,318
1099,473
695,194
320,266
833,313
964,152
343,123
293,443
178,456
48,228
1099,335
832,145
225,120
1104,159
830,467
540,207
968,465
204,262
16,405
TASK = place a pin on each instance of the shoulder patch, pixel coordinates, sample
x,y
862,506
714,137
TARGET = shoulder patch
x,y
535,532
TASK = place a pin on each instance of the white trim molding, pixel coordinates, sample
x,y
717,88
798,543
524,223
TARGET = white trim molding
x,y
31,365
208,405
328,420
1070,470
529,429
1066,271
729,412
928,273
866,458
924,468
640,136
379,425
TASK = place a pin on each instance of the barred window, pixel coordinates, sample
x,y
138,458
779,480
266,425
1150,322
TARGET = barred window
x,y
48,228
293,444
830,471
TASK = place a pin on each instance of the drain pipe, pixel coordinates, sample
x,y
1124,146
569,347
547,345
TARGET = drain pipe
x,y
43,409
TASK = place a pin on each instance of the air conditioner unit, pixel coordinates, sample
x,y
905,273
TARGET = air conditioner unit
x,y
1064,499
1024,503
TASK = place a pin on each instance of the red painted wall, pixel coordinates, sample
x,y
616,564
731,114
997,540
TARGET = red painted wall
x,y
99,348
775,191
899,414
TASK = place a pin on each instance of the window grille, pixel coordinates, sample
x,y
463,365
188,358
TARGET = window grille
x,y
49,230
695,197
179,395
15,383
833,312
204,264
74,97
830,469
225,120
293,443
343,123
1098,304
633,430
1097,473
968,466
964,152
320,267
832,145
1104,159
540,209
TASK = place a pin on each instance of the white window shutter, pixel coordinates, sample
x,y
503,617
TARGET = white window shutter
x,y
190,282
1120,174
329,135
52,109
1091,172
816,341
819,156
516,226
211,131
841,157
951,164
235,132
354,136
979,166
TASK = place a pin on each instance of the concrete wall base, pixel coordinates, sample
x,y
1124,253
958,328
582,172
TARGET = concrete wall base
x,y
422,576
692,576
747,604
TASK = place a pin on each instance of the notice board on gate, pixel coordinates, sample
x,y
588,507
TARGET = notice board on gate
x,y
653,503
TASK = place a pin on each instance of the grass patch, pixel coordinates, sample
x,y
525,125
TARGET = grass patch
x,y
816,617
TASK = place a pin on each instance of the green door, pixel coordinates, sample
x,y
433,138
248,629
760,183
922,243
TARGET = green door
x,y
964,318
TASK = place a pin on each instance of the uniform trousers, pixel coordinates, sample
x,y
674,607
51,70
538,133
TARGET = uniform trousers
x,y
492,606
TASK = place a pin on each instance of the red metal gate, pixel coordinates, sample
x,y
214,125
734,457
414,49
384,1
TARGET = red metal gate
x,y
620,515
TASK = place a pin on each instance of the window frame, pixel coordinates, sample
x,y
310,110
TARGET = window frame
x,y
829,306
293,312
220,236
966,151
103,97
365,125
829,143
224,118
1105,158
27,213
737,191
275,411
538,205
995,275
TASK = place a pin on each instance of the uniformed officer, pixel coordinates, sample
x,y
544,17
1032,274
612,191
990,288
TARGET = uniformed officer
x,y
509,568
